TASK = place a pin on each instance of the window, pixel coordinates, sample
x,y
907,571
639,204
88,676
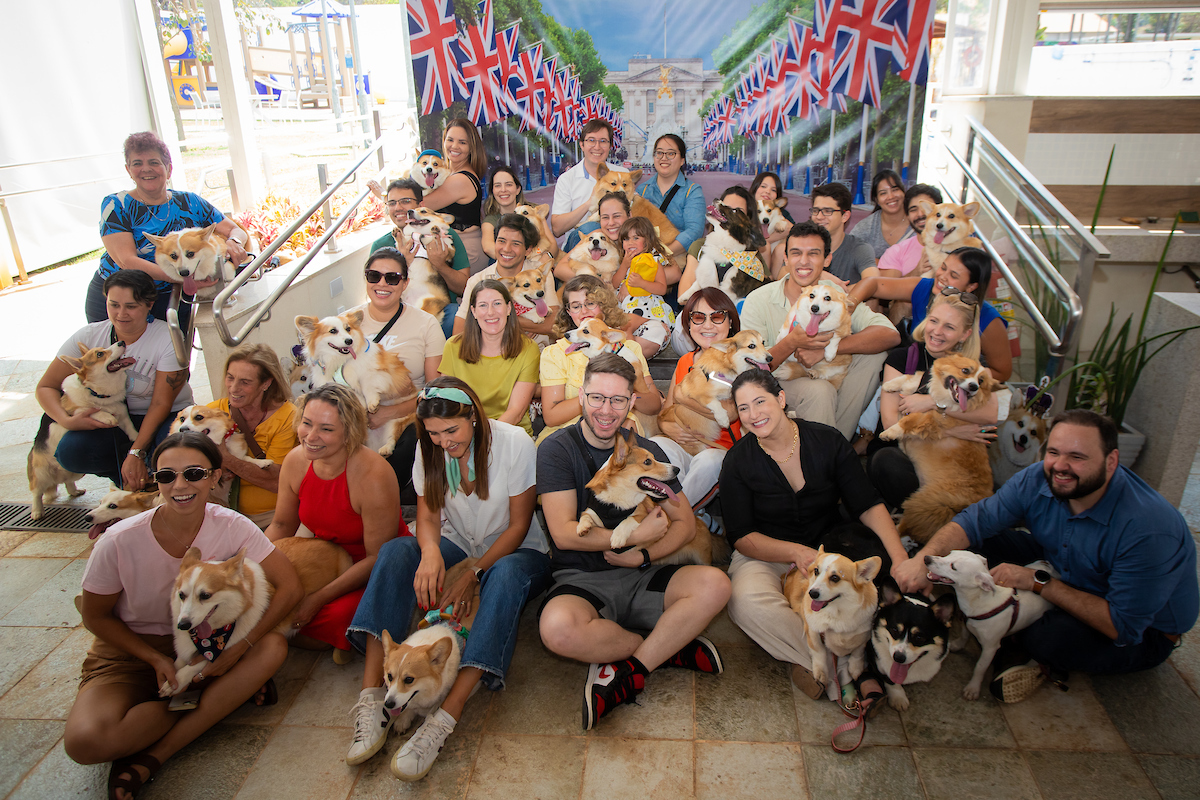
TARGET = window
x,y
649,106
679,107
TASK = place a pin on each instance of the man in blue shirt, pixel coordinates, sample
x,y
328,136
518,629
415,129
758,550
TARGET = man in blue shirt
x,y
1127,561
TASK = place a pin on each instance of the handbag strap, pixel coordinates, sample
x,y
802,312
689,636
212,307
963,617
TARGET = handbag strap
x,y
248,432
667,200
383,331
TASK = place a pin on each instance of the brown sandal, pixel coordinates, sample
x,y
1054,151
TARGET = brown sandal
x,y
126,766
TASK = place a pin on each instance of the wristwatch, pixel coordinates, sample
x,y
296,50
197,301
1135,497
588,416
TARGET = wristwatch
x,y
645,559
1040,579
941,407
133,451
478,572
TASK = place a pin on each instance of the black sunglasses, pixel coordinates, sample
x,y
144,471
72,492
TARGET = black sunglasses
x,y
167,476
392,278
966,298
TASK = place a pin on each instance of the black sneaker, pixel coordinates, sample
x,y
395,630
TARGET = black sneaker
x,y
608,686
700,655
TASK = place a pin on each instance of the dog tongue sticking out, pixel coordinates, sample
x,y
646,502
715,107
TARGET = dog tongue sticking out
x,y
814,324
817,605
100,527
189,285
938,236
657,486
597,253
898,673
962,397
539,305
430,177
204,630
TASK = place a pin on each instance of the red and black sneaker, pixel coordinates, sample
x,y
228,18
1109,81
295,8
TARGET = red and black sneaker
x,y
608,686
700,655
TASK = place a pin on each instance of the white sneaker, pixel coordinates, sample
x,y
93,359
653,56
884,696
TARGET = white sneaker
x,y
416,758
371,725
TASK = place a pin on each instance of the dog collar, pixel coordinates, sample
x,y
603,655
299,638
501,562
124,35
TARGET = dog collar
x,y
439,616
719,377
96,394
211,646
747,261
1012,602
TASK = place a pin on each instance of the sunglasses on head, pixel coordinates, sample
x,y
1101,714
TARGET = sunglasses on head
x,y
392,278
191,475
716,317
966,298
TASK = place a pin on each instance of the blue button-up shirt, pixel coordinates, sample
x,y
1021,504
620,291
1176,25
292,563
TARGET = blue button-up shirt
x,y
686,210
1132,548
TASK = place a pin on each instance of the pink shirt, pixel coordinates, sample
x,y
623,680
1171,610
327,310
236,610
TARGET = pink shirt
x,y
903,255
128,560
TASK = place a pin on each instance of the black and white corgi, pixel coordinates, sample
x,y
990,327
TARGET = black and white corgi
x,y
910,639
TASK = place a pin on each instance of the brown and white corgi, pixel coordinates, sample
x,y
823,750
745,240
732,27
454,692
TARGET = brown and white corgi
x,y
770,216
614,180
427,289
948,226
98,382
528,290
732,233
117,505
595,255
1020,440
218,426
430,171
539,255
821,308
193,255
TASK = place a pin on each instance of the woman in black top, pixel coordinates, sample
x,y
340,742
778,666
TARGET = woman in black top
x,y
460,195
780,490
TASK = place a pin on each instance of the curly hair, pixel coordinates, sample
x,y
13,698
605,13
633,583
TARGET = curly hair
x,y
598,292
144,142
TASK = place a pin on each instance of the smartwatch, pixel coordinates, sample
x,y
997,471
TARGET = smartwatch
x,y
645,559
478,572
1040,578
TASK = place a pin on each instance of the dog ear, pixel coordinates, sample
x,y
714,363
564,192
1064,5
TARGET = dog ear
x,y
209,231
542,209
71,361
724,345
868,568
635,177
944,607
355,318
614,335
889,595
970,210
387,641
235,564
190,559
781,203
440,650
446,218
927,207
306,325
984,581
155,240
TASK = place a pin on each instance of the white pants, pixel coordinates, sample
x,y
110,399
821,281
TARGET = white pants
x,y
758,607
698,474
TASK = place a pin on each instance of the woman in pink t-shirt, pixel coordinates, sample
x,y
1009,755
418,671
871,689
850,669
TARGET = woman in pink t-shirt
x,y
118,715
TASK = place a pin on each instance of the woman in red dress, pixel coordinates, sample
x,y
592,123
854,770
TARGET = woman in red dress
x,y
343,492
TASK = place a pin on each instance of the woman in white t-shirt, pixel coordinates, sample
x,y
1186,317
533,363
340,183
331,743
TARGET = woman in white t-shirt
x,y
475,493
118,715
156,386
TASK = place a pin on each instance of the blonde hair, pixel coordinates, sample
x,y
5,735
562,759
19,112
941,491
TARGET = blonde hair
x,y
970,347
598,293
269,368
351,412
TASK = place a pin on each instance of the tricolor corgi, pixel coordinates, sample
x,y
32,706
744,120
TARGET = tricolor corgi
x,y
430,171
117,505
613,180
595,255
910,639
193,255
427,289
733,234
821,308
948,226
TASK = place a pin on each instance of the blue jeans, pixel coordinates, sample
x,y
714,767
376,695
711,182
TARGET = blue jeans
x,y
102,451
389,601
448,315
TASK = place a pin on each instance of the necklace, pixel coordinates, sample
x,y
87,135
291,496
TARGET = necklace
x,y
792,452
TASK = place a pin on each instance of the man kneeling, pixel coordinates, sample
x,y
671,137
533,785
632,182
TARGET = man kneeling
x,y
597,591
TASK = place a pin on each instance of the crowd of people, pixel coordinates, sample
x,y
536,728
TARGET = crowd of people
x,y
511,415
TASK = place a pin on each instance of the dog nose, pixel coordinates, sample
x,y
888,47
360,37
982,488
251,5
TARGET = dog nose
x,y
815,309
184,625
389,703
183,273
541,294
349,340
768,358
973,387
899,658
928,561
814,594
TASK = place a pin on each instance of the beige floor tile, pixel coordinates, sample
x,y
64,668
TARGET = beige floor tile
x,y
527,768
53,604
13,457
18,405
738,769
23,648
288,682
630,769
11,540
54,545
328,695
1140,705
939,716
1055,720
721,631
1175,777
23,743
543,695
953,774
235,748
21,577
298,764
48,691
447,780
20,431
818,718
665,710
886,773
750,702
60,778
1089,776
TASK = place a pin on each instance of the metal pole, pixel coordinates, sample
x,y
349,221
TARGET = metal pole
x,y
327,66
360,80
233,192
912,104
832,132
526,153
326,207
504,122
377,120
862,153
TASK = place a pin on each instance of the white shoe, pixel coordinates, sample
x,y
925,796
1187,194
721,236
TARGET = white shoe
x,y
371,725
416,758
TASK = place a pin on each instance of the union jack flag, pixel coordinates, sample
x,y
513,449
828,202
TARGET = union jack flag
x,y
481,69
573,108
436,53
545,87
556,109
525,98
914,28
779,69
857,42
725,120
509,50
809,91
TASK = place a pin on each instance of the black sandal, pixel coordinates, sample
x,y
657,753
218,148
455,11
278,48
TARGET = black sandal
x,y
268,695
126,766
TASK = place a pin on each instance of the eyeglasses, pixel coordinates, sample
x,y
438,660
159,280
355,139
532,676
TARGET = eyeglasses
x,y
716,317
966,298
590,305
592,142
392,278
167,476
824,212
405,201
618,402
665,153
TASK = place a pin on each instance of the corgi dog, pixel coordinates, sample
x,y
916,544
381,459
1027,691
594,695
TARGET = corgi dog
x,y
836,597
215,604
821,308
430,171
1021,438
612,180
540,255
709,383
593,337
193,255
595,255
910,640
986,605
954,473
633,481
948,226
337,343
98,382
300,374
427,289
732,233
771,218
218,426
118,505
528,290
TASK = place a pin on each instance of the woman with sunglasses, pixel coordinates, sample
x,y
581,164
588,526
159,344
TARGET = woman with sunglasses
x,y
968,271
344,492
475,495
118,715
410,333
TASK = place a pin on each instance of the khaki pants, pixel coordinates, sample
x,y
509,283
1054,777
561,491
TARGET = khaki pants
x,y
758,607
816,400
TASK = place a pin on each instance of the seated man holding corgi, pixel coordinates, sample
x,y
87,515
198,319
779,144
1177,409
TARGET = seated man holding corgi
x,y
598,591
1127,561
808,248
573,190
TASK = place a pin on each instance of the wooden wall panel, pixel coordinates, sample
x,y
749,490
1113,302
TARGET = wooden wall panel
x,y
1102,115
1128,201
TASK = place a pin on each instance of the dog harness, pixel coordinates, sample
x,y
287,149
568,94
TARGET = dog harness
x,y
211,646
1012,602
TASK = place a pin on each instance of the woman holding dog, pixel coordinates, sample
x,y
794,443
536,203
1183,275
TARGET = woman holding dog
x,y
504,194
118,714
156,386
614,211
460,195
767,187
345,493
888,223
474,478
151,207
780,490
493,357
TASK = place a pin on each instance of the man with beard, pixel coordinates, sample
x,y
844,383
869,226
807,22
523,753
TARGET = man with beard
x,y
599,592
1125,585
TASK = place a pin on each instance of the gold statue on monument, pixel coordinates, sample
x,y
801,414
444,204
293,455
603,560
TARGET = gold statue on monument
x,y
664,90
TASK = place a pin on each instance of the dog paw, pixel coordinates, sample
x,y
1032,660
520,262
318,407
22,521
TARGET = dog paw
x,y
387,449
970,692
76,492
894,385
897,698
891,434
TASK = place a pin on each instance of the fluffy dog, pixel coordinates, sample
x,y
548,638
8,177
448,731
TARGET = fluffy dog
x,y
733,233
118,505
98,382
770,216
593,337
1021,438
948,226
910,639
821,308
611,180
430,171
300,373
538,255
427,289
992,611
193,255
596,255
528,290
707,385
954,473
220,427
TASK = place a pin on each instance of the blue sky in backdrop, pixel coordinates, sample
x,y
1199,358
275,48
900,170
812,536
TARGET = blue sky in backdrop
x,y
623,28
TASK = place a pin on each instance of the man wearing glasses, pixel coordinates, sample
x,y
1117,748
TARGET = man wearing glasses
x,y
573,190
403,196
599,591
831,204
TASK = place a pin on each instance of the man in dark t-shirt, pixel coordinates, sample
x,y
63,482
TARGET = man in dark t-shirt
x,y
597,590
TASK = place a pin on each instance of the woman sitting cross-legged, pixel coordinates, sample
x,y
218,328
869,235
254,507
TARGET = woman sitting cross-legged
x,y
475,493
118,714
